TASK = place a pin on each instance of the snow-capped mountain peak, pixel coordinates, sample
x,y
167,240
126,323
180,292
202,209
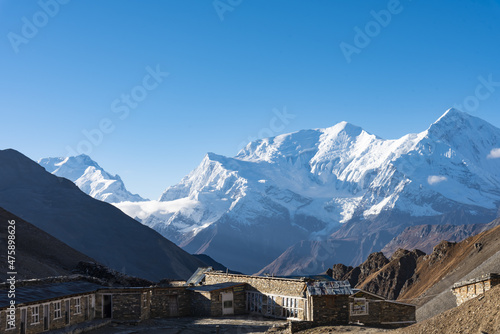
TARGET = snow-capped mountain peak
x,y
309,183
90,178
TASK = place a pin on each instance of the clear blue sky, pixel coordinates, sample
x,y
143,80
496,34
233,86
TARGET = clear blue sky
x,y
69,68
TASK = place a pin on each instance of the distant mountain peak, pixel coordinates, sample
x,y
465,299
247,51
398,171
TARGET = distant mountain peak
x,y
452,114
90,178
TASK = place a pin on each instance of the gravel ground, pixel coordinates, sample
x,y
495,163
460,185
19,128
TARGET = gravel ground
x,y
480,315
230,325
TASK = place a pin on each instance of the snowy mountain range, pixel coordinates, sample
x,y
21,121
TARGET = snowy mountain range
x,y
299,202
90,178
340,183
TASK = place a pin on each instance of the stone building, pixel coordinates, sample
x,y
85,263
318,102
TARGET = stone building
x,y
49,306
302,298
305,301
218,299
472,288
371,309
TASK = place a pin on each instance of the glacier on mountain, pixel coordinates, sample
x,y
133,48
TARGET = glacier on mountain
x,y
310,183
338,172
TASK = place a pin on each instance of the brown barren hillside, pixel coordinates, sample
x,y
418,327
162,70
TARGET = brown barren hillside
x,y
479,315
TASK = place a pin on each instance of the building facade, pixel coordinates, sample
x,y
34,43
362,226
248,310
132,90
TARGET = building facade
x,y
472,288
299,299
49,306
305,301
371,309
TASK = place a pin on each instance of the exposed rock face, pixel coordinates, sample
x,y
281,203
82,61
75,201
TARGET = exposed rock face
x,y
339,271
396,276
380,275
440,251
360,273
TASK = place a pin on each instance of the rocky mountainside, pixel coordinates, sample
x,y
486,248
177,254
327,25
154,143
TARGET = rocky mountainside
x,y
94,228
91,178
425,280
339,189
382,276
38,254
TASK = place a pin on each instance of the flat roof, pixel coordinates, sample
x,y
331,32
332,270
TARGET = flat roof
x,y
214,287
476,280
302,279
35,293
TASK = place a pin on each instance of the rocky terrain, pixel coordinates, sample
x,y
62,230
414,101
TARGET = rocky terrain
x,y
480,315
382,276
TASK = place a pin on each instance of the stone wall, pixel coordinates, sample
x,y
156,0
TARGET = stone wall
x,y
332,309
201,303
170,302
204,303
265,285
394,313
127,306
384,312
240,300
